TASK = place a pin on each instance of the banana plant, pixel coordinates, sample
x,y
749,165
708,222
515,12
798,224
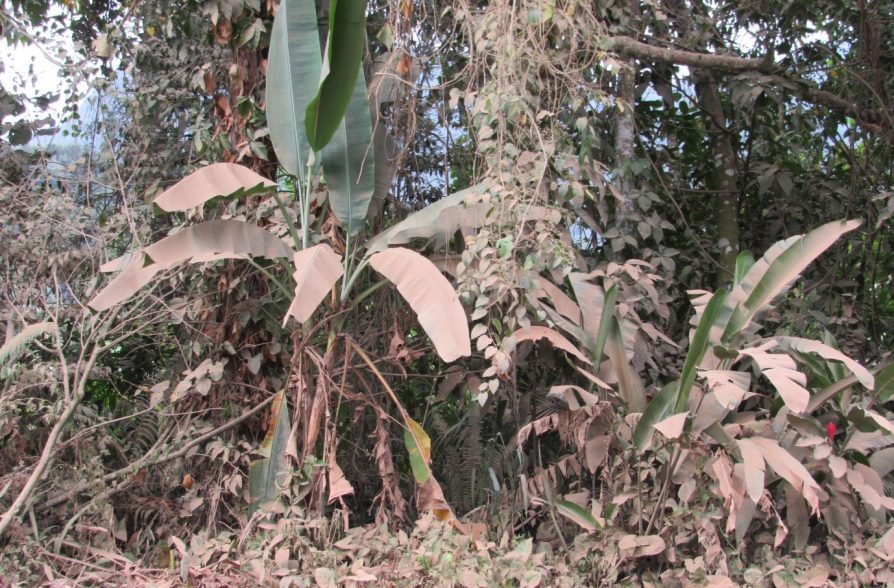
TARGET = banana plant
x,y
319,118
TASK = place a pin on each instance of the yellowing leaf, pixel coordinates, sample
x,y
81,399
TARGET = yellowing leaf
x,y
431,296
419,447
317,269
218,179
267,475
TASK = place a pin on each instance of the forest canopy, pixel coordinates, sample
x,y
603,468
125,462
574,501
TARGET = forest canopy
x,y
542,292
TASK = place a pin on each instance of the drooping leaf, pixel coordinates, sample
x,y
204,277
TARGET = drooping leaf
x,y
317,269
574,396
561,301
754,468
431,498
870,487
338,484
12,348
790,469
882,461
347,38
267,475
591,300
697,348
349,162
385,87
773,273
630,387
605,324
782,372
293,72
557,340
430,296
218,179
217,239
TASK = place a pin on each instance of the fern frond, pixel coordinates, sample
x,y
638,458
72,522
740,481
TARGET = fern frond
x,y
11,349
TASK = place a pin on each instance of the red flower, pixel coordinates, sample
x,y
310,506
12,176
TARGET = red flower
x,y
831,429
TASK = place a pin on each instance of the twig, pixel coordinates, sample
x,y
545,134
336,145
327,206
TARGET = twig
x,y
148,459
46,456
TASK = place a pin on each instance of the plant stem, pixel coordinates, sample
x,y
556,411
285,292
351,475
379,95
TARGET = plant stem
x,y
305,209
349,280
282,287
285,213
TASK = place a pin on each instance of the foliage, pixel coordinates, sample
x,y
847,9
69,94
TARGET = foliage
x,y
563,196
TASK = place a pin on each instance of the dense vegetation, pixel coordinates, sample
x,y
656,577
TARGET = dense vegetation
x,y
543,292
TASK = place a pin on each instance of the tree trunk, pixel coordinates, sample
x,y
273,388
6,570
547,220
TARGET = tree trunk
x,y
722,179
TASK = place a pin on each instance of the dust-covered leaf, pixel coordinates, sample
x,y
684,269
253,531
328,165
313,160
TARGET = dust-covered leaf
x,y
431,296
208,241
642,546
771,275
317,269
672,426
557,340
754,468
792,470
218,179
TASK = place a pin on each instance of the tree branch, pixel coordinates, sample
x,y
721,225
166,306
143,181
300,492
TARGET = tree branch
x,y
773,73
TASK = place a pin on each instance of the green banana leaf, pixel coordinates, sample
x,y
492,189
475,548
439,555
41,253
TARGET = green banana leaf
x,y
294,68
347,37
267,476
349,163
773,273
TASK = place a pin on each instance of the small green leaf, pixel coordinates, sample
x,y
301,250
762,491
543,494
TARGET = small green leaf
x,y
744,261
386,36
578,515
504,247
